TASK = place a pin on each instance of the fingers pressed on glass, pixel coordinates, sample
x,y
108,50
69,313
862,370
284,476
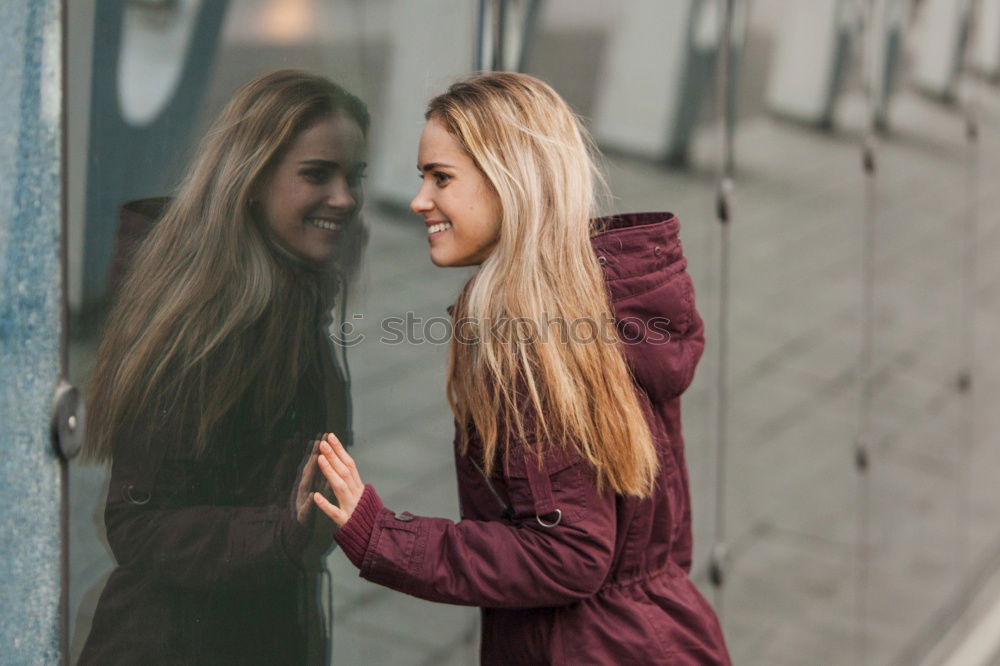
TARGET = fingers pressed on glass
x,y
336,481
336,462
339,449
342,461
330,509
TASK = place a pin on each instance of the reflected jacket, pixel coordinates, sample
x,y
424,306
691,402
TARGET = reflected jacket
x,y
212,566
609,583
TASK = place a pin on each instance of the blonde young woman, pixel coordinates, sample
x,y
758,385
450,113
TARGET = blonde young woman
x,y
214,380
572,345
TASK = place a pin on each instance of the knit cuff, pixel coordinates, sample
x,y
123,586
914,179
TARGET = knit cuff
x,y
356,533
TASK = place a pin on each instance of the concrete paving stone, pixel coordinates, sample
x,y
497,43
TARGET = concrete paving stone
x,y
801,577
913,400
391,643
756,409
914,524
793,647
901,606
436,627
832,355
781,339
817,498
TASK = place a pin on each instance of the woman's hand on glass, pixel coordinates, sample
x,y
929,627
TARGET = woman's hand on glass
x,y
342,475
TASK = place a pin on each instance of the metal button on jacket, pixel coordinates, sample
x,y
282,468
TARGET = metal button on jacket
x,y
404,516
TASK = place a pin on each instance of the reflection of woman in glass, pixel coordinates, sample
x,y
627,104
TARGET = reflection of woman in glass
x,y
214,379
571,347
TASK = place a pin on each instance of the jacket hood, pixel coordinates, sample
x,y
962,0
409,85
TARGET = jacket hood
x,y
652,298
135,221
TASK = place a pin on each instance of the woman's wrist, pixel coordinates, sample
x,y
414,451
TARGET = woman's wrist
x,y
355,535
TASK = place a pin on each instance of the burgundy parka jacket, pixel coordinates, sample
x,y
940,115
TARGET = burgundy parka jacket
x,y
609,583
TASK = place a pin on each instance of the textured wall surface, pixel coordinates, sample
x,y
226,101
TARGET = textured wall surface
x,y
29,329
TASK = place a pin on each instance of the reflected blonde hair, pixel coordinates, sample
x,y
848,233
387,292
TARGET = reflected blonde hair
x,y
213,311
537,157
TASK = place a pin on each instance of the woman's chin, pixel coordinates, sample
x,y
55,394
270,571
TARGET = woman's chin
x,y
440,259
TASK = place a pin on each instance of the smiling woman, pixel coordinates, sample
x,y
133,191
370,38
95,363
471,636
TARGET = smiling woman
x,y
459,207
315,190
215,347
575,537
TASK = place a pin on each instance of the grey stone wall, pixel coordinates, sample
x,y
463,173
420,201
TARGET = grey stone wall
x,y
30,210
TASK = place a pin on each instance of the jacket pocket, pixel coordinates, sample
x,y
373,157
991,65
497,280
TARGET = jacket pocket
x,y
552,494
396,549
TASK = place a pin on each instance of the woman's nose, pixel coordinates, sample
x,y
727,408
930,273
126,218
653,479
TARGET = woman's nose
x,y
421,203
339,195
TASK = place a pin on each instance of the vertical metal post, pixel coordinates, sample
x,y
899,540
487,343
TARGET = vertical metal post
x,y
965,383
499,33
865,375
727,104
31,482
504,29
489,35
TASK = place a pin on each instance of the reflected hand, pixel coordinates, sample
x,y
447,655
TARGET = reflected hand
x,y
302,502
342,475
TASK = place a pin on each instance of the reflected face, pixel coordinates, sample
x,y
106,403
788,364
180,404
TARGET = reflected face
x,y
315,190
459,207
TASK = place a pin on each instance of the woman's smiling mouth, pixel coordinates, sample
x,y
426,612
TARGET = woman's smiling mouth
x,y
327,224
437,228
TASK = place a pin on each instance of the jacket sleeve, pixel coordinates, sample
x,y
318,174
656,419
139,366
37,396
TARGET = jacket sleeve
x,y
152,528
494,564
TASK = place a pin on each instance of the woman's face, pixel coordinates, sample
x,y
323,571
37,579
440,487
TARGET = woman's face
x,y
460,209
315,191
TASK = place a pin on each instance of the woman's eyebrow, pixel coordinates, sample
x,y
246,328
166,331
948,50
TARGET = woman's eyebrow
x,y
329,164
324,163
430,166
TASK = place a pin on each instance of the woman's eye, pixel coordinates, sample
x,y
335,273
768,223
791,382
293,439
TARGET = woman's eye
x,y
356,177
316,176
441,178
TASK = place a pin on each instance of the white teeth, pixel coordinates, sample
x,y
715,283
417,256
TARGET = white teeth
x,y
441,226
324,224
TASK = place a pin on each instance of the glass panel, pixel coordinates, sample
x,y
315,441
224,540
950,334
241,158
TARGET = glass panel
x,y
825,562
918,458
822,566
790,487
403,430
980,263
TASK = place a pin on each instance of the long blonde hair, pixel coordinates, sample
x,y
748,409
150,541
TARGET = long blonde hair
x,y
535,380
213,312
